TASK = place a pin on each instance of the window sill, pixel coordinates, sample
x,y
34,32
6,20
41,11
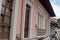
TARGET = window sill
x,y
43,36
37,37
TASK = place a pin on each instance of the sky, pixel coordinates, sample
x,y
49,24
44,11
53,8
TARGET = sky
x,y
56,7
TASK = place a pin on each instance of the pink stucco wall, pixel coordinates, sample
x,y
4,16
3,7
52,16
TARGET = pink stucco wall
x,y
34,18
19,17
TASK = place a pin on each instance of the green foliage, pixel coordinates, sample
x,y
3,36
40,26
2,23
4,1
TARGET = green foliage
x,y
58,21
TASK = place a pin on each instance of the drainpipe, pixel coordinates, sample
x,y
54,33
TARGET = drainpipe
x,y
21,19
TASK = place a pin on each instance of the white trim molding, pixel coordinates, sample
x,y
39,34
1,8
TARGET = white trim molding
x,y
14,20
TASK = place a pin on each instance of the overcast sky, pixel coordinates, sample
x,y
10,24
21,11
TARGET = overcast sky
x,y
56,7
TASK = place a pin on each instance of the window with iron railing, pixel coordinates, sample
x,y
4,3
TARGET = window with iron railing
x,y
40,30
40,21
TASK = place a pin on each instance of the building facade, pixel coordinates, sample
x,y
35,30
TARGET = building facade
x,y
54,29
25,19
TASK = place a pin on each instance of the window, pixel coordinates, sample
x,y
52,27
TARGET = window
x,y
40,21
3,2
40,30
26,29
2,10
9,0
5,19
6,11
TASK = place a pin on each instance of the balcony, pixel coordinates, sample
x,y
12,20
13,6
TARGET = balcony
x,y
35,38
41,32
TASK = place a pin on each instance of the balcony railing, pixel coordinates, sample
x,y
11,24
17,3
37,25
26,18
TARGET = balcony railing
x,y
35,38
41,32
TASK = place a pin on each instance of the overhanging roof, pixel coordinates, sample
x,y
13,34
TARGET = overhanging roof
x,y
46,4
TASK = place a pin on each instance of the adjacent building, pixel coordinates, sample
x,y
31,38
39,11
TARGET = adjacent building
x,y
54,30
25,19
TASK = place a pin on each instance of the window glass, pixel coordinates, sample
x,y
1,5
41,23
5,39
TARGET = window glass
x,y
6,29
40,21
2,10
0,29
7,12
3,2
27,17
8,4
10,0
6,20
40,30
1,19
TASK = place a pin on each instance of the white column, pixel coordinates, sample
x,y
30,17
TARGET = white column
x,y
14,20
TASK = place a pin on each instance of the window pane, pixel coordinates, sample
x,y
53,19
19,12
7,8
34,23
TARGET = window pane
x,y
6,29
1,30
7,12
1,19
10,0
27,16
8,4
5,35
3,2
6,20
1,36
40,21
2,10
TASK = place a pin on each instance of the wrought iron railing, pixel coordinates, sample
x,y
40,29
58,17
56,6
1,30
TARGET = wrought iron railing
x,y
41,32
36,38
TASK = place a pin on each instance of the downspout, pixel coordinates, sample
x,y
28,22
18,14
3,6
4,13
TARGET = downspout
x,y
21,19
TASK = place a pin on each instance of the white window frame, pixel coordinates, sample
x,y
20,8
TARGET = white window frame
x,y
14,20
40,22
30,21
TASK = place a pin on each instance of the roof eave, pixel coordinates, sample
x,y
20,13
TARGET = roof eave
x,y
47,5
